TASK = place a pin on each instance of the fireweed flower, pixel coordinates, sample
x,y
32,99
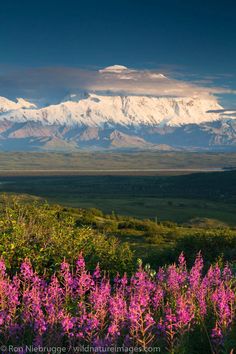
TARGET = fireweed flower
x,y
158,297
223,298
88,308
53,301
67,278
67,323
176,276
97,273
173,280
196,273
83,283
141,322
26,270
182,268
118,308
200,296
227,273
217,335
170,328
214,275
33,297
184,313
80,263
99,301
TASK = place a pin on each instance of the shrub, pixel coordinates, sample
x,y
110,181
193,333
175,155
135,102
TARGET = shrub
x,y
212,243
46,235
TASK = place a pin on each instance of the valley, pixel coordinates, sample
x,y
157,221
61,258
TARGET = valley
x,y
176,194
153,162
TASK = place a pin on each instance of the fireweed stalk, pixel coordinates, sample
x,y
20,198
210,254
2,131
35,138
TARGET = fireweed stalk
x,y
151,309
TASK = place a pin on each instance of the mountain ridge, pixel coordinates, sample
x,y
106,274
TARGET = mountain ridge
x,y
93,121
96,110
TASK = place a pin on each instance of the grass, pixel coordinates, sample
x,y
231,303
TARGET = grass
x,y
114,160
180,210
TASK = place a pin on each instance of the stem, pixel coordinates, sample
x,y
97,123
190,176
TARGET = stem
x,y
209,339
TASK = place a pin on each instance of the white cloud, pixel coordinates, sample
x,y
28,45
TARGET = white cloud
x,y
118,79
145,82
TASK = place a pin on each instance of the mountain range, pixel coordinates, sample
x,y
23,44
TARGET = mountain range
x,y
104,120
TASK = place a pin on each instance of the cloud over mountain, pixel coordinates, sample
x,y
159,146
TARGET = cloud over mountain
x,y
116,79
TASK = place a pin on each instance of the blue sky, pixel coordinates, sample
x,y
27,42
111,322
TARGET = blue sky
x,y
194,41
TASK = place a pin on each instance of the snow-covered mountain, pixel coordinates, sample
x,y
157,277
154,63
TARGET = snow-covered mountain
x,y
7,105
103,120
95,110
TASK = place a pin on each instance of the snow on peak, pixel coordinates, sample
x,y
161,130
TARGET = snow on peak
x,y
98,110
22,103
8,105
